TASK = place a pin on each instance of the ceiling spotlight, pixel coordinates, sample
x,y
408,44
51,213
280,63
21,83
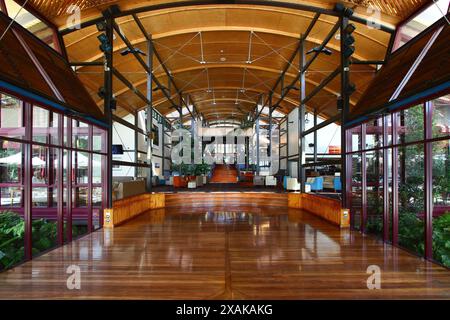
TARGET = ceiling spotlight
x,y
327,51
203,62
339,7
105,46
248,62
101,26
101,92
135,50
351,88
223,59
242,90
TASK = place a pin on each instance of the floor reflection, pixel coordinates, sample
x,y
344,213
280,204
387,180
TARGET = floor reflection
x,y
225,253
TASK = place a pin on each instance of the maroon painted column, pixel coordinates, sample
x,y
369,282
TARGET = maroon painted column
x,y
428,117
28,169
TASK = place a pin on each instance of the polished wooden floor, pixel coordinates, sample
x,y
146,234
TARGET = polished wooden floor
x,y
219,253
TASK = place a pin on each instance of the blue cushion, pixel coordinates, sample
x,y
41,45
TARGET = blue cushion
x,y
337,184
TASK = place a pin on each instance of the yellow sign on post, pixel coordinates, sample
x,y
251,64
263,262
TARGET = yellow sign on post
x,y
108,221
345,218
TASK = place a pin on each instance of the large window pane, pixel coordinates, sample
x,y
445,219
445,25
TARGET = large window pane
x,y
97,190
374,169
355,138
99,140
44,199
11,162
356,191
80,135
411,198
11,117
390,193
441,202
30,22
420,22
80,193
374,134
45,126
441,116
410,125
12,227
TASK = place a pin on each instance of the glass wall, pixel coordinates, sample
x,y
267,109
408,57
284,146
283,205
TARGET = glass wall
x,y
421,21
130,139
30,22
49,184
394,158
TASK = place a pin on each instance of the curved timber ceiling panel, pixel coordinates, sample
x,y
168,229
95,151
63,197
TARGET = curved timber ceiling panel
x,y
244,48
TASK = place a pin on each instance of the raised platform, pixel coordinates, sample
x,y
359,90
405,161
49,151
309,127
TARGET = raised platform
x,y
126,209
220,187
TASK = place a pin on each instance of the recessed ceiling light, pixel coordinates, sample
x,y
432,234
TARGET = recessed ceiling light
x,y
223,59
337,36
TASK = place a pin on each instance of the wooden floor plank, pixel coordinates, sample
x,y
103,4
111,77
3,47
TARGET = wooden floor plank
x,y
220,253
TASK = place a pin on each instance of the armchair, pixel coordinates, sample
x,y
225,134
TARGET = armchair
x,y
271,181
315,183
292,184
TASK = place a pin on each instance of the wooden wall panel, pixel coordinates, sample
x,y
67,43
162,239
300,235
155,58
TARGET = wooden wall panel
x,y
327,208
128,208
202,199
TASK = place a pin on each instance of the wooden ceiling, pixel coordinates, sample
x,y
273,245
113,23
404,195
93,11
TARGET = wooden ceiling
x,y
245,48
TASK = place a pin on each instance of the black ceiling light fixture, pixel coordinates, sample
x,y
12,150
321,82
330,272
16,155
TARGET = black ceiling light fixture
x,y
351,87
105,46
327,51
340,103
101,92
135,50
341,8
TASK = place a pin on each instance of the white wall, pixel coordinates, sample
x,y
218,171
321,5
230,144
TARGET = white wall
x,y
125,136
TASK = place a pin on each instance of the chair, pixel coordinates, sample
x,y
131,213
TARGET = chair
x,y
315,183
179,182
292,184
258,180
271,181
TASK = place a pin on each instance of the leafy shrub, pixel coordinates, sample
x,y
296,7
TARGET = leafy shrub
x,y
12,233
441,239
